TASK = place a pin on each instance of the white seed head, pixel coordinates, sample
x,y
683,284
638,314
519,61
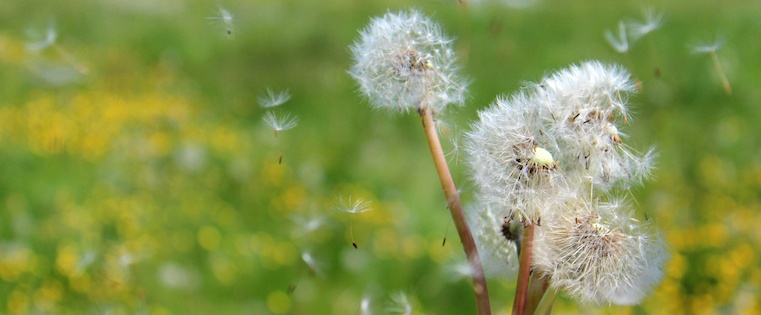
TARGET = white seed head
x,y
511,172
582,106
597,254
498,253
404,61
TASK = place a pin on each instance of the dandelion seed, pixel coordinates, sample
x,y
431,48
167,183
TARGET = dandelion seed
x,y
281,123
353,207
50,38
311,262
712,48
273,99
620,43
365,306
653,21
356,206
399,304
227,20
404,61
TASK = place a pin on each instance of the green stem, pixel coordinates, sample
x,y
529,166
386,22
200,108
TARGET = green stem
x,y
455,209
545,305
536,290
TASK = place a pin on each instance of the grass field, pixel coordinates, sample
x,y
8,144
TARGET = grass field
x,y
137,175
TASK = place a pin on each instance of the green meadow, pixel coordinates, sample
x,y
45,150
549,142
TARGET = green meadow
x,y
137,175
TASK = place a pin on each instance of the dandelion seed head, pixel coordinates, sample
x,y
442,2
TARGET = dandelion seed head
x,y
583,104
619,43
280,123
502,154
498,254
596,254
404,61
273,99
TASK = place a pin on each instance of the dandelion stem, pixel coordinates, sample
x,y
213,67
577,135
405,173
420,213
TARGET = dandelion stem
x,y
722,75
455,209
545,305
524,269
537,288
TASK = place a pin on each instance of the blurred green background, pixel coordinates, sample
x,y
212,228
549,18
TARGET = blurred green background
x,y
137,175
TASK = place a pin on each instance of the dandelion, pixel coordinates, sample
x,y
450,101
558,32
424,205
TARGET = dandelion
x,y
404,61
226,18
620,43
712,48
273,99
511,170
583,106
539,157
597,253
278,124
353,207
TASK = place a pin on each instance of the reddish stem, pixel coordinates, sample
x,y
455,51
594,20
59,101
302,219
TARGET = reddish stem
x,y
455,209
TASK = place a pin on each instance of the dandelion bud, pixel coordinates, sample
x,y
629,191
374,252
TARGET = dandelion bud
x,y
404,61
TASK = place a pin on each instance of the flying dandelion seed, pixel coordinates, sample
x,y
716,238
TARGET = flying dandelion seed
x,y
278,124
365,306
652,21
399,304
353,207
49,40
273,99
227,20
638,29
711,48
620,43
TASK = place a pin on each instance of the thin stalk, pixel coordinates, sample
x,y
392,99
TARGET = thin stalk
x,y
455,209
722,75
536,290
545,305
524,269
